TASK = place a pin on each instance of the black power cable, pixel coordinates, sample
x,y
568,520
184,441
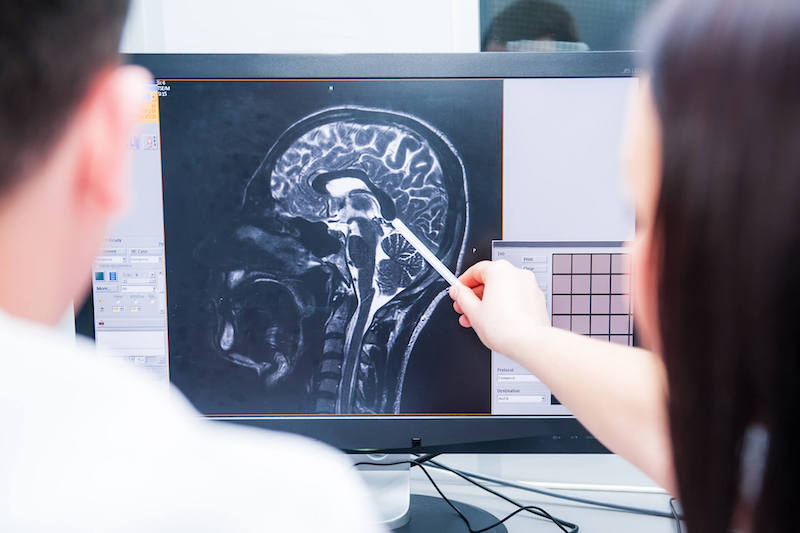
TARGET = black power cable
x,y
597,503
563,525
676,515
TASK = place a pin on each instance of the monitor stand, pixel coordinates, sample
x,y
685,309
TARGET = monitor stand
x,y
404,512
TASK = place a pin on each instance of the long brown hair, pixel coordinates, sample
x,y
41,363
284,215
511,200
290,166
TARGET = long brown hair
x,y
726,80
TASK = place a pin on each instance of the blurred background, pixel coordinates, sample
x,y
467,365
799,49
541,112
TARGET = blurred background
x,y
360,26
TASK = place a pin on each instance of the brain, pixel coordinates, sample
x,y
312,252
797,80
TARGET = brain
x,y
403,264
394,158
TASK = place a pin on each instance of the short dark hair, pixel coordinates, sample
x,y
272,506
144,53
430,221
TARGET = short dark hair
x,y
532,20
50,50
725,79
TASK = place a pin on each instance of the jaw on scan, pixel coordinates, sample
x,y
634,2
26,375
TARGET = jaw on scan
x,y
313,289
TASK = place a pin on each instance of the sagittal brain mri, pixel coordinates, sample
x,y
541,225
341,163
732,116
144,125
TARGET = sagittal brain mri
x,y
312,302
324,196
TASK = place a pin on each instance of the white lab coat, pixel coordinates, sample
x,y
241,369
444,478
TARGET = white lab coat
x,y
87,444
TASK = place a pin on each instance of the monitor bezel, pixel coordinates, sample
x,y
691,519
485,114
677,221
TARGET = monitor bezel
x,y
400,433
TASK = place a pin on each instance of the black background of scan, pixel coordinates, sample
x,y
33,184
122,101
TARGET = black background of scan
x,y
214,134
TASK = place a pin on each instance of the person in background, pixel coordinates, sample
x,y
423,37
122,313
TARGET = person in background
x,y
87,445
533,26
710,411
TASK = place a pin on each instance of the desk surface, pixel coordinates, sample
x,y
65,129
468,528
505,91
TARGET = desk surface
x,y
589,519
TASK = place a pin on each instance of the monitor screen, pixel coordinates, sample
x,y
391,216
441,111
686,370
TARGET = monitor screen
x,y
260,269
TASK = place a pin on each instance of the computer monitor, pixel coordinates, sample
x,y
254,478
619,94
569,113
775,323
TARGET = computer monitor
x,y
259,270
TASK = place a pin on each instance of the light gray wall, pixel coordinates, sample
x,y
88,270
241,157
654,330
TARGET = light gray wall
x,y
302,26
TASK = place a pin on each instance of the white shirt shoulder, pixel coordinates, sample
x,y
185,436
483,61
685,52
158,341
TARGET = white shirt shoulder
x,y
89,445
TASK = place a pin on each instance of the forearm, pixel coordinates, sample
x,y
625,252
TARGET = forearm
x,y
617,392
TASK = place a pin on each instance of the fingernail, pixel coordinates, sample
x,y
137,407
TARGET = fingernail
x,y
453,292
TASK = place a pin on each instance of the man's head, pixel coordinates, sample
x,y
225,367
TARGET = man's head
x,y
530,20
66,107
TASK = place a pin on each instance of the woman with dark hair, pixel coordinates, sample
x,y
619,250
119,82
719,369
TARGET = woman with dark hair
x,y
714,163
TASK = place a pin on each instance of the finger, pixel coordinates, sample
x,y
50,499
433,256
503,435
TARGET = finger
x,y
475,275
479,291
467,300
464,321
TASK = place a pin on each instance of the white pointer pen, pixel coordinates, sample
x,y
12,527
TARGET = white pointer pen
x,y
425,252
388,214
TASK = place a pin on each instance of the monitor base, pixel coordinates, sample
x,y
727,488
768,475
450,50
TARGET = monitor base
x,y
390,487
431,513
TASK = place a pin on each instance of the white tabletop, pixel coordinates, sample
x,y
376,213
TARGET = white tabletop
x,y
603,477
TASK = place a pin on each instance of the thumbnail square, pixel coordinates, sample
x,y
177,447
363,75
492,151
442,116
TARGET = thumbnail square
x,y
620,264
619,324
562,263
562,284
561,304
580,304
601,284
580,324
601,264
580,284
561,322
620,304
581,263
600,304
600,324
620,284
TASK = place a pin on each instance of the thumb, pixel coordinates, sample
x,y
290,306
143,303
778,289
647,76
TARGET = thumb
x,y
466,299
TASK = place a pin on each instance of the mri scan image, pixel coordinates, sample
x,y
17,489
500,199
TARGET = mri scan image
x,y
289,289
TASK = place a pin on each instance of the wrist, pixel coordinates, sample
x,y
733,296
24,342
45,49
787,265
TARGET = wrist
x,y
530,345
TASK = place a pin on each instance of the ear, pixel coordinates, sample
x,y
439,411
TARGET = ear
x,y
103,123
